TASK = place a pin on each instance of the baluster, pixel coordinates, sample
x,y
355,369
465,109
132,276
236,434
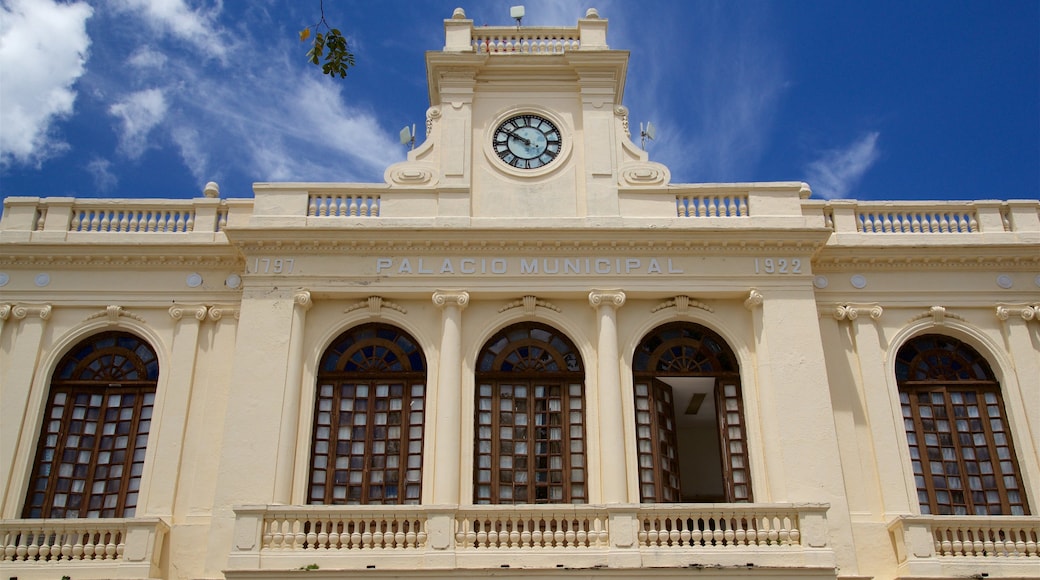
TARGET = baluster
x,y
886,223
270,537
973,223
95,221
944,222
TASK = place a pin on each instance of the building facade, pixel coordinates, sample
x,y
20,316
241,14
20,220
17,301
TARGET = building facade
x,y
526,354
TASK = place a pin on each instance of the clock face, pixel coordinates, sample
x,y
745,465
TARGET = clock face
x,y
527,141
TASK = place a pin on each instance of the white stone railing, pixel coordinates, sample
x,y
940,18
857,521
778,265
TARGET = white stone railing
x,y
943,218
715,204
130,546
515,527
342,205
526,40
529,536
729,527
964,545
52,218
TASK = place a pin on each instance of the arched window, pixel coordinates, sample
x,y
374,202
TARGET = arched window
x,y
690,433
92,442
530,420
960,446
368,419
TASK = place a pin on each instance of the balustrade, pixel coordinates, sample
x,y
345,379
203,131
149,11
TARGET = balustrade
x,y
287,530
531,41
698,528
133,544
342,205
132,220
921,221
517,528
1006,544
711,205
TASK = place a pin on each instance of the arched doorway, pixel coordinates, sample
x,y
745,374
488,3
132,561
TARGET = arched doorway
x,y
90,454
530,418
961,448
690,432
369,417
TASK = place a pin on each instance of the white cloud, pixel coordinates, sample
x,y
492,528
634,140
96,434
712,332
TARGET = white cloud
x,y
43,48
192,151
195,26
101,170
139,113
147,58
837,171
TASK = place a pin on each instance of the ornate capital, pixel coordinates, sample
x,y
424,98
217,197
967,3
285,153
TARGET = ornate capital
x,y
196,311
302,298
852,311
5,311
21,311
1026,311
615,298
218,311
754,299
458,298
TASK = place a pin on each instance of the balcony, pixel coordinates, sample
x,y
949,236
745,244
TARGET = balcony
x,y
83,549
967,546
778,537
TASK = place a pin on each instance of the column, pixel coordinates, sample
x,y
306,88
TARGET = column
x,y
159,486
1019,340
447,455
17,369
283,476
614,476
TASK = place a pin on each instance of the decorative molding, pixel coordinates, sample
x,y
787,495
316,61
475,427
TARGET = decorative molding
x,y
1026,311
411,173
615,298
375,304
530,304
938,314
682,305
164,261
5,311
621,111
218,311
458,298
853,311
754,299
432,114
302,298
902,263
113,312
644,173
197,311
21,311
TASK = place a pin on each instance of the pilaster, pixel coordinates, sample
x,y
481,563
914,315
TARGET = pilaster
x,y
614,476
17,371
447,467
290,421
166,444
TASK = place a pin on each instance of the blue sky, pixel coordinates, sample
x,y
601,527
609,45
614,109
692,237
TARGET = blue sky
x,y
924,99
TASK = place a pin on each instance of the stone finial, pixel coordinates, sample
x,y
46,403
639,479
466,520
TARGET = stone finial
x,y
211,189
458,14
591,13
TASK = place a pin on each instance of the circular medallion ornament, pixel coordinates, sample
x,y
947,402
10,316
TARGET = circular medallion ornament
x,y
527,141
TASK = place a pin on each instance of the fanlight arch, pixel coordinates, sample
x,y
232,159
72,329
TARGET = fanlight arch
x,y
91,449
530,418
369,419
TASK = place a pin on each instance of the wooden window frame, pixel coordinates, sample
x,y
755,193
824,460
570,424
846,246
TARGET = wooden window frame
x,y
949,445
357,366
681,349
529,356
102,391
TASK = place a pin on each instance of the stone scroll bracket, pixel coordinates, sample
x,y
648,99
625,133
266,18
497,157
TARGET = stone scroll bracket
x,y
1026,311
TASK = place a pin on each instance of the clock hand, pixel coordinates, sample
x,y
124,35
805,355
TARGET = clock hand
x,y
521,139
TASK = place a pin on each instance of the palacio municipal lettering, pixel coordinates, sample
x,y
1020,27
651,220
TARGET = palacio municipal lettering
x,y
525,354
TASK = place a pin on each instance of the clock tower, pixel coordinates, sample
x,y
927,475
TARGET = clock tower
x,y
528,123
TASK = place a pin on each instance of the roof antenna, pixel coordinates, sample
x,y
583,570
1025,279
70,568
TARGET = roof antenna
x,y
516,13
408,136
649,133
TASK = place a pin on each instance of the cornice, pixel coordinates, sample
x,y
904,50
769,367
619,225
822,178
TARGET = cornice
x,y
1025,257
31,255
540,243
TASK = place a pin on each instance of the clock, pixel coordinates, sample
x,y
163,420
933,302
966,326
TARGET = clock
x,y
527,141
